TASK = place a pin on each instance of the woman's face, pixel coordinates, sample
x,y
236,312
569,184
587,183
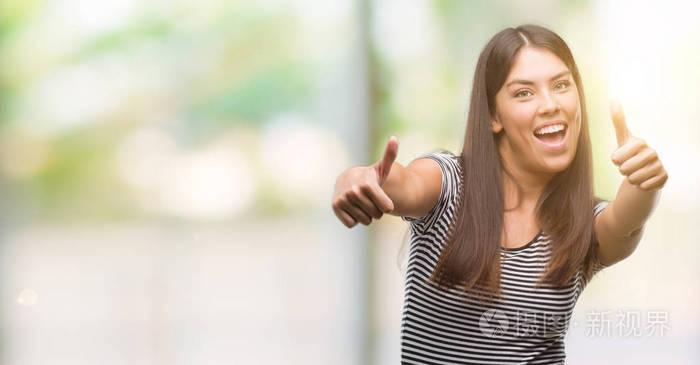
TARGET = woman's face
x,y
538,92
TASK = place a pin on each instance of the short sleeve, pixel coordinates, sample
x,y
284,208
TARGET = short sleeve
x,y
599,207
451,178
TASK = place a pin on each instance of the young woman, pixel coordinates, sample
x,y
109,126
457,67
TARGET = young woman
x,y
505,236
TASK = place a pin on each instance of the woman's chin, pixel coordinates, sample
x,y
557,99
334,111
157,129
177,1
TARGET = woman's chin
x,y
558,164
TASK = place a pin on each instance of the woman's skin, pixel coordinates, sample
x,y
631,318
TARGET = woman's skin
x,y
537,90
621,224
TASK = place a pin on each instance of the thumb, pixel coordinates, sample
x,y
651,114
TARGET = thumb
x,y
618,118
383,166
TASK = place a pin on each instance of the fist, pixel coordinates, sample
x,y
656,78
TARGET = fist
x,y
634,158
358,194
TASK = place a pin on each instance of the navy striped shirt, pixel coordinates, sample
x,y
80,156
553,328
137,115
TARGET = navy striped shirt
x,y
526,325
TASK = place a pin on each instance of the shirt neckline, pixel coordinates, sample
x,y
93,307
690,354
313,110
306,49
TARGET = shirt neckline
x,y
511,249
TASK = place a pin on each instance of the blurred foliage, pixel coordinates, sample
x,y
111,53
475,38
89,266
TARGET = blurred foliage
x,y
259,96
235,68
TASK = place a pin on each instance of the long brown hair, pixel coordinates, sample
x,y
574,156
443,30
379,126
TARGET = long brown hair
x,y
564,210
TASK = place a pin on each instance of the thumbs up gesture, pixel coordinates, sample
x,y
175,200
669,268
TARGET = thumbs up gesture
x,y
634,158
358,195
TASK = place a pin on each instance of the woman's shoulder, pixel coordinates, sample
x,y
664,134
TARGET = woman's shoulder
x,y
598,206
450,167
445,159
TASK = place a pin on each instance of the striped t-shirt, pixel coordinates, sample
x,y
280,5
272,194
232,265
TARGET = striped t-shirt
x,y
526,325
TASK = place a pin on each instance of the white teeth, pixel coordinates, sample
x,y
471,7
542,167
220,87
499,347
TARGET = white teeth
x,y
550,129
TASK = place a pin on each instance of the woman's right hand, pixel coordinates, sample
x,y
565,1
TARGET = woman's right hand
x,y
358,194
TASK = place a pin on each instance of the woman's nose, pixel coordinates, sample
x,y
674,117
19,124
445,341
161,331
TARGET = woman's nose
x,y
548,104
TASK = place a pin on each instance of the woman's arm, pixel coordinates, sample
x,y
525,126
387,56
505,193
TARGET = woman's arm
x,y
365,192
415,189
620,226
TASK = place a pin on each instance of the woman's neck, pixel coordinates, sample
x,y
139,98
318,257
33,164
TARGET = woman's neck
x,y
531,186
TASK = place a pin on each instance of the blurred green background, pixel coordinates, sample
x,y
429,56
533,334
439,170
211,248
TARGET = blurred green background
x,y
166,171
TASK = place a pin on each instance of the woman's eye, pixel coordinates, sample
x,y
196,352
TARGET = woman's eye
x,y
522,93
562,85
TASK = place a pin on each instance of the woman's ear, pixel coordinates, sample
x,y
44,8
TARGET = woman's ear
x,y
496,126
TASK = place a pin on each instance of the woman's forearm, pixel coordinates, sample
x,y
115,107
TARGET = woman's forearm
x,y
631,208
620,226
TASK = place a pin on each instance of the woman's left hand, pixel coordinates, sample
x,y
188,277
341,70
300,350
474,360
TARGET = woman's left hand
x,y
634,158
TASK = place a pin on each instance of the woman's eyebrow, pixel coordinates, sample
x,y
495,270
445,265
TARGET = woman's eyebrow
x,y
528,82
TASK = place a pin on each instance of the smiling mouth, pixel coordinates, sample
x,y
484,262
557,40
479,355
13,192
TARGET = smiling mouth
x,y
551,137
